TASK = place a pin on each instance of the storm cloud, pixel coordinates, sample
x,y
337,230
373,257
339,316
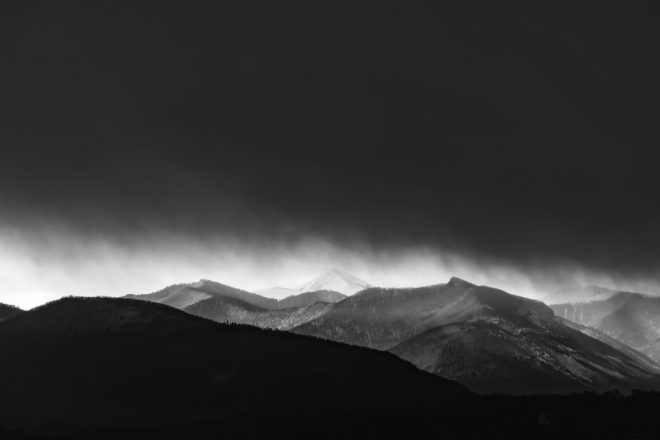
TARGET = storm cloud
x,y
511,135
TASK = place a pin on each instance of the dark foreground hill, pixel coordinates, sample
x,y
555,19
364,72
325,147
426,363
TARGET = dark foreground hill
x,y
80,366
486,339
7,311
120,368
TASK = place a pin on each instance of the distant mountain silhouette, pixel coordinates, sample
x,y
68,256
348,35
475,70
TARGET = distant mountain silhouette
x,y
77,365
630,318
223,303
184,295
181,296
485,338
7,311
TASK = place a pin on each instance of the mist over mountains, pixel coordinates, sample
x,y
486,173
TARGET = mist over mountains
x,y
631,318
383,129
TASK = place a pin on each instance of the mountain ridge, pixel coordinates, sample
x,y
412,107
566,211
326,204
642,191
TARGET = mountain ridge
x,y
222,303
187,294
492,341
132,366
8,311
629,317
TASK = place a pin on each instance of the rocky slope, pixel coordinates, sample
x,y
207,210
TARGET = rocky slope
x,y
487,339
631,318
620,346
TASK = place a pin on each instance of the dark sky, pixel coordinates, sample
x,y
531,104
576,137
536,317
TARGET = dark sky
x,y
518,132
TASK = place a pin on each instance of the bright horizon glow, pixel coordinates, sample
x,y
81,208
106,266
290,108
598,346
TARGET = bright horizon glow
x,y
36,268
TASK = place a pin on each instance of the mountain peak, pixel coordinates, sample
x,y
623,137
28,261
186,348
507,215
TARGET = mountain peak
x,y
458,282
337,280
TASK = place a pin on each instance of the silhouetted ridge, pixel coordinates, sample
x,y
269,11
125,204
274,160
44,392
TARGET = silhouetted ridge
x,y
73,314
8,311
78,364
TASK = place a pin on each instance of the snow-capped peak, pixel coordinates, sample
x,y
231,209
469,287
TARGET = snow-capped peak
x,y
336,280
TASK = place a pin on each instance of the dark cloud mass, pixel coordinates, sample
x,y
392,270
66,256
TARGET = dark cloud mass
x,y
517,132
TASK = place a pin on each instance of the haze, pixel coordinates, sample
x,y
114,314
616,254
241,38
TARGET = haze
x,y
41,266
146,143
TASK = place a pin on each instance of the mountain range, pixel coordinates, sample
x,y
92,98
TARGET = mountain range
x,y
223,303
631,318
484,338
108,368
